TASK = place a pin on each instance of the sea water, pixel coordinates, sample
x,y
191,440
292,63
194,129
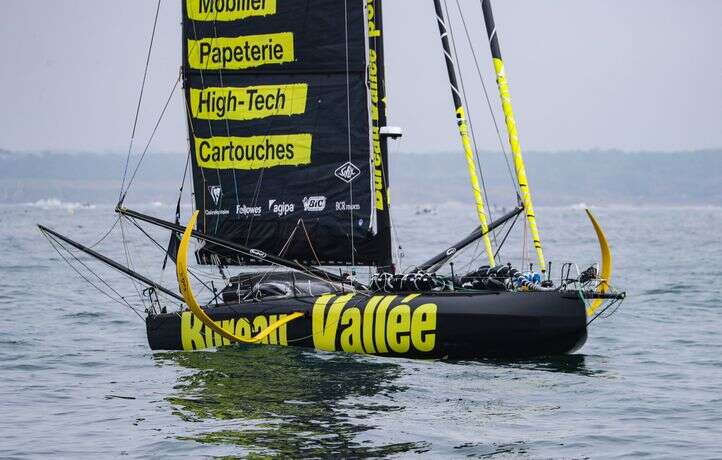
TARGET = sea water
x,y
77,379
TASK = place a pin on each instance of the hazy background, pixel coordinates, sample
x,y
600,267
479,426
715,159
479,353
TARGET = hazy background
x,y
619,106
607,74
618,102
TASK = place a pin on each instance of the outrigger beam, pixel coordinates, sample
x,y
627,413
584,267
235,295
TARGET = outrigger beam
x,y
112,263
270,258
440,259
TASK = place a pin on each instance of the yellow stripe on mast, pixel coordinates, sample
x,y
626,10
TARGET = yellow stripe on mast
x,y
518,159
464,132
512,130
480,211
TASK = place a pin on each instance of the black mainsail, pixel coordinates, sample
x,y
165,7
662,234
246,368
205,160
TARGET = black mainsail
x,y
285,107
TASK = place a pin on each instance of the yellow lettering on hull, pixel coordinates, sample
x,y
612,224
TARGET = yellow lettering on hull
x,y
195,336
378,327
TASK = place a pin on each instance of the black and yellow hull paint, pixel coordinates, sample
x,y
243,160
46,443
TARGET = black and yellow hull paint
x,y
414,325
442,325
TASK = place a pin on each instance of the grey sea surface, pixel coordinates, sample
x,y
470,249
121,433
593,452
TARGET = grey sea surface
x,y
79,381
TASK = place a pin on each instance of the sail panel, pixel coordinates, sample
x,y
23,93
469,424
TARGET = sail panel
x,y
281,119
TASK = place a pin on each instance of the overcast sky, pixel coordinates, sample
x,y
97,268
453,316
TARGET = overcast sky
x,y
584,74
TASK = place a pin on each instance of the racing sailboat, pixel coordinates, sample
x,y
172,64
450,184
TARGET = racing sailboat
x,y
286,110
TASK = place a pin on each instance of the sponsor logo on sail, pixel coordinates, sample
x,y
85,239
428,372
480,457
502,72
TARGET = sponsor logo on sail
x,y
229,10
347,172
244,52
343,206
215,191
258,253
253,152
374,72
243,210
249,102
281,209
217,212
314,203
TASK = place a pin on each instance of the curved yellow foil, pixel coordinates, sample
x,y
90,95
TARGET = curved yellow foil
x,y
606,274
187,292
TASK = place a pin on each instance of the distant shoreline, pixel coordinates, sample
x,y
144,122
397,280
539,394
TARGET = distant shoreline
x,y
557,178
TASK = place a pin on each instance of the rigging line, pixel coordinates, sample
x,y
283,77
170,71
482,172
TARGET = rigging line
x,y
178,209
128,260
210,128
185,174
259,182
313,250
488,102
160,246
394,230
274,268
110,230
228,126
190,151
348,130
140,99
186,84
468,116
299,268
310,244
476,256
511,227
152,135
254,202
137,167
53,242
523,249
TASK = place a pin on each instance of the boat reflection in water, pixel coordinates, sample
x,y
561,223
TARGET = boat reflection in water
x,y
286,401
291,402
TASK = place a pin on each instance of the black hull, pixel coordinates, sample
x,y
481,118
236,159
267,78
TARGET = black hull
x,y
444,325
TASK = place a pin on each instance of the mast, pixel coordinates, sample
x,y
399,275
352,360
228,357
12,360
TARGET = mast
x,y
464,131
505,95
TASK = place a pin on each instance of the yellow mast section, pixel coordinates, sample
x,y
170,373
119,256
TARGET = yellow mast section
x,y
464,132
512,130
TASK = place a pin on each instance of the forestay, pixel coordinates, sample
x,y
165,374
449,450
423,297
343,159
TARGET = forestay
x,y
285,103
